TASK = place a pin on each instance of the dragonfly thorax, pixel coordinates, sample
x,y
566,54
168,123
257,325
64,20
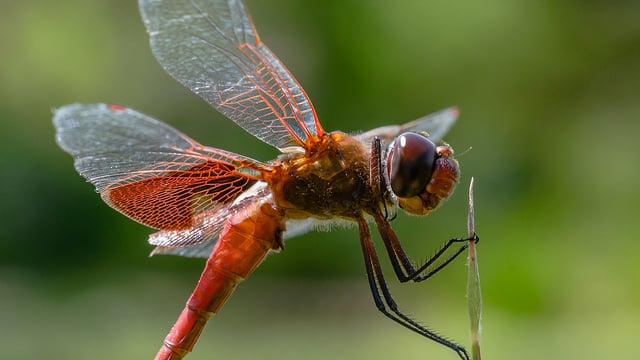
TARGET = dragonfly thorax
x,y
331,179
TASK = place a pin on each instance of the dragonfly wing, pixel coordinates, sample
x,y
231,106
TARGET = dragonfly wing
x,y
296,227
196,241
208,226
201,250
149,171
212,48
436,125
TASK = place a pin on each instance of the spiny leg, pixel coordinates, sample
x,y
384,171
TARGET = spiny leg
x,y
383,299
403,267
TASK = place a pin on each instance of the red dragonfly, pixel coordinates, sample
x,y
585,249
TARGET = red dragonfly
x,y
232,209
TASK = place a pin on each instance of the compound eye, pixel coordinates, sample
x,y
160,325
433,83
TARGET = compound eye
x,y
410,161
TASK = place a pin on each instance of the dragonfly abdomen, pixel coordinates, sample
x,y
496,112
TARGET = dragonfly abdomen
x,y
244,242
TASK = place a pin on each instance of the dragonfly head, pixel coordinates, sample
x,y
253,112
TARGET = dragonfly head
x,y
421,174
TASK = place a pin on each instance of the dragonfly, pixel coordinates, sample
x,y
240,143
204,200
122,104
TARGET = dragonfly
x,y
234,210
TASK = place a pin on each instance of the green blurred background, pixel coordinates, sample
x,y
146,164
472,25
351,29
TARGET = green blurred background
x,y
549,93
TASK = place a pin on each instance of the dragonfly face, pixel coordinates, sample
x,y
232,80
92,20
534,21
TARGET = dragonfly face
x,y
410,163
421,174
232,209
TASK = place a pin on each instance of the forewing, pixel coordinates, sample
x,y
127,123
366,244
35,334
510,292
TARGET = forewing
x,y
213,49
436,125
149,171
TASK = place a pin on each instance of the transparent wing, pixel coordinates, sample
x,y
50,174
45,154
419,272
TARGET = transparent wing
x,y
436,124
202,249
196,241
149,171
212,47
208,226
296,227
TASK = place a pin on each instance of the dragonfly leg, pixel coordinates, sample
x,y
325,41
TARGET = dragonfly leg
x,y
379,180
403,267
385,302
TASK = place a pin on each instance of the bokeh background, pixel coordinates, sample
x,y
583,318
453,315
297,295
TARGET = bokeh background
x,y
549,93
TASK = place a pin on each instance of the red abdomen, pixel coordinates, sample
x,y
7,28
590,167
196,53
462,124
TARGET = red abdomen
x,y
245,240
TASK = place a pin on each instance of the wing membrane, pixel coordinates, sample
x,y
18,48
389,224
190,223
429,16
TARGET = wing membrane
x,y
149,171
436,124
207,227
213,49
